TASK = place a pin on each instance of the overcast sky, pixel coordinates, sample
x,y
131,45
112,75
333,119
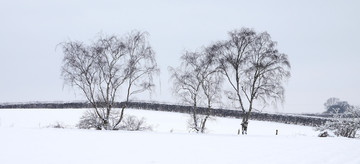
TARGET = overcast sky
x,y
321,39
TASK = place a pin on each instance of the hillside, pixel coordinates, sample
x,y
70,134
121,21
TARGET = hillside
x,y
26,138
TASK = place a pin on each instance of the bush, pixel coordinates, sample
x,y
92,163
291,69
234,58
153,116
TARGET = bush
x,y
57,125
132,123
90,120
343,124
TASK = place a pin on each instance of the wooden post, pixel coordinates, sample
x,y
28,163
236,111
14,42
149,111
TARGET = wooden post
x,y
238,131
277,132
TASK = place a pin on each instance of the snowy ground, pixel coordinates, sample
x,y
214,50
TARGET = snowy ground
x,y
25,138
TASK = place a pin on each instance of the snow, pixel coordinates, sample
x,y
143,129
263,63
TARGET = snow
x,y
26,138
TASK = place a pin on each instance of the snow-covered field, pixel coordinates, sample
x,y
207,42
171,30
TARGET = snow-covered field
x,y
26,138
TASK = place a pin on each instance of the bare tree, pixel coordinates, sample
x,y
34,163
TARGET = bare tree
x,y
254,68
140,66
193,81
335,105
211,83
101,69
187,83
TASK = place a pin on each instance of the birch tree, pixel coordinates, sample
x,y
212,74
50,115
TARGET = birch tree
x,y
101,69
195,81
254,68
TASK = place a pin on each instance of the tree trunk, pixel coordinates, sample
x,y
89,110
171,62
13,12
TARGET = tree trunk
x,y
245,122
206,117
203,124
195,119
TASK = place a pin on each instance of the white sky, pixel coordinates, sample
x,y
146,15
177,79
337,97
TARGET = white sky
x,y
320,37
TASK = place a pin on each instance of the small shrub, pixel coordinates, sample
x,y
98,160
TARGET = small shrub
x,y
343,124
57,125
90,120
132,123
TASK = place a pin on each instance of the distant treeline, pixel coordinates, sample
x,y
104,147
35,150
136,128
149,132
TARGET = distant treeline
x,y
308,120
